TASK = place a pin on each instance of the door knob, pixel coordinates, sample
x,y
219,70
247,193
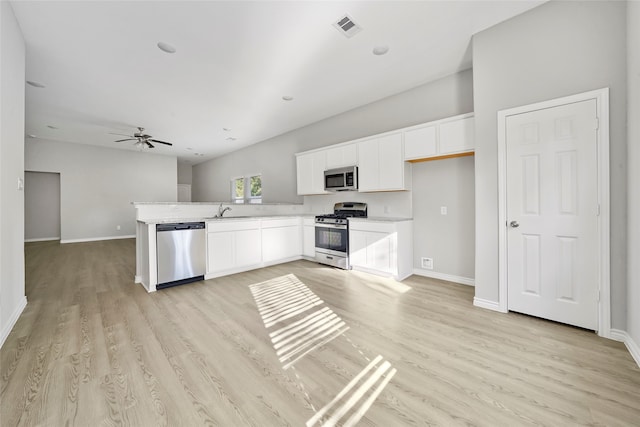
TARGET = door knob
x,y
514,224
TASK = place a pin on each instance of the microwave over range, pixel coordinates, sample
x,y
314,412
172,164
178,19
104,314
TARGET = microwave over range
x,y
342,179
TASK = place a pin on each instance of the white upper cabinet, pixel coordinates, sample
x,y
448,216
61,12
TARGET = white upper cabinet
x,y
310,172
341,156
421,142
454,135
381,165
457,136
381,159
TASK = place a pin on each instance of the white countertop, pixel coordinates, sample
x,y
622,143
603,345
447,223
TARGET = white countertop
x,y
223,219
381,219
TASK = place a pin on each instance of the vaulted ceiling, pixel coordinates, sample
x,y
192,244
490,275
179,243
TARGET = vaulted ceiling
x,y
234,61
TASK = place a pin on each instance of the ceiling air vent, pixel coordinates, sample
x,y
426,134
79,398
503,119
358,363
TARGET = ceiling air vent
x,y
347,26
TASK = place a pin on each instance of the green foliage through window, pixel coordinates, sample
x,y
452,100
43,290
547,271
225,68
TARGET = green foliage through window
x,y
246,189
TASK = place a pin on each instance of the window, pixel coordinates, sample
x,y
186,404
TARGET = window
x,y
246,189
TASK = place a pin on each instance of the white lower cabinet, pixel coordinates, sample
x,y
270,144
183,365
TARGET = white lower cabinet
x,y
308,237
233,245
381,247
281,239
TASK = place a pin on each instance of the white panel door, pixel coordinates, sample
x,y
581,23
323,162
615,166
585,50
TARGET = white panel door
x,y
552,208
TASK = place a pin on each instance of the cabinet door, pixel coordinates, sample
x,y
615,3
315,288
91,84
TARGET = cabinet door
x,y
280,243
248,247
380,252
220,251
309,241
344,155
457,136
391,162
420,143
368,165
358,248
310,172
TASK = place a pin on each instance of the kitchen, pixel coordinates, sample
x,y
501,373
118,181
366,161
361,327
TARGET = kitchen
x,y
456,94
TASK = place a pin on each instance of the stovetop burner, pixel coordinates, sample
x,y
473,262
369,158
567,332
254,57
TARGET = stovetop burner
x,y
342,211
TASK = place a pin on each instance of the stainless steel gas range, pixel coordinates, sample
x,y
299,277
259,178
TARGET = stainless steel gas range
x,y
332,233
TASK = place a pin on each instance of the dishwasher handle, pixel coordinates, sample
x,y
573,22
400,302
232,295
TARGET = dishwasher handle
x,y
180,226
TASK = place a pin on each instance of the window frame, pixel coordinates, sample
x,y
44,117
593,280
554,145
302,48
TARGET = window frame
x,y
246,198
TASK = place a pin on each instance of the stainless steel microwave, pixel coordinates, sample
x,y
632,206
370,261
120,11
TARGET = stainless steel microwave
x,y
342,179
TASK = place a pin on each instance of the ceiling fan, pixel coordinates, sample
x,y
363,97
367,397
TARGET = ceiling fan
x,y
142,139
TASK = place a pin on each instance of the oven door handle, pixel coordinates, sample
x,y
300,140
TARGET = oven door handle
x,y
338,226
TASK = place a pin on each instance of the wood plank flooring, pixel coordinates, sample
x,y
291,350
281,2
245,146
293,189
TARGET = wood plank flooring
x,y
94,349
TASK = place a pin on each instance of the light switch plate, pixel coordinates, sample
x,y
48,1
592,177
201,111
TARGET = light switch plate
x,y
20,184
443,210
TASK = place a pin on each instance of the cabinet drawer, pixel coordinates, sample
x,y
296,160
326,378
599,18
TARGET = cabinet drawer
x,y
231,225
285,222
381,227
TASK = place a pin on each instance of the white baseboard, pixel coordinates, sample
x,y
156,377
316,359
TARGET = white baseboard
x,y
6,330
96,239
489,305
632,346
442,276
45,239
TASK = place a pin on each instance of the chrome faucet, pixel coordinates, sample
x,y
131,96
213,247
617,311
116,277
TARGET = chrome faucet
x,y
221,211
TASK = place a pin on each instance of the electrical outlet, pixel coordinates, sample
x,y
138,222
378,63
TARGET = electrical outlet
x,y
427,263
443,210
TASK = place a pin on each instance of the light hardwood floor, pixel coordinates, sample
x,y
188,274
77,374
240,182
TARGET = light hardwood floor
x,y
92,348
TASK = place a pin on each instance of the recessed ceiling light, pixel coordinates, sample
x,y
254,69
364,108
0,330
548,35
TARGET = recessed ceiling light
x,y
380,50
189,148
52,127
35,84
30,135
287,98
166,47
231,138
226,129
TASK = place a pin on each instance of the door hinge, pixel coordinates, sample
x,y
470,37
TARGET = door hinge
x,y
596,124
598,295
598,210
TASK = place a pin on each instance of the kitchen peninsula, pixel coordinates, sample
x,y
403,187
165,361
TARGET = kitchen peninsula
x,y
247,237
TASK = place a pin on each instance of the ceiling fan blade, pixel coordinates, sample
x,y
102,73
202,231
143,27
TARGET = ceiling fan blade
x,y
149,144
121,134
160,142
128,139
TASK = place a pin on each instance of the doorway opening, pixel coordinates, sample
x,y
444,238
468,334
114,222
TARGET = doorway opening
x,y
41,206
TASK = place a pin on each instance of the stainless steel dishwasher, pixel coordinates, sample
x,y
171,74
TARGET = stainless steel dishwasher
x,y
180,250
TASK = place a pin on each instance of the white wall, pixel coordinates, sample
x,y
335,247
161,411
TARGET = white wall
x,y
12,95
185,173
41,206
633,137
448,239
553,50
99,184
274,158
